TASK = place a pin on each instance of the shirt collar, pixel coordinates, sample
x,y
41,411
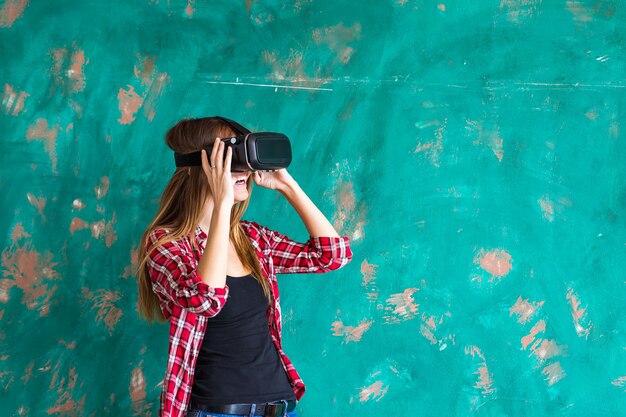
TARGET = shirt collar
x,y
200,235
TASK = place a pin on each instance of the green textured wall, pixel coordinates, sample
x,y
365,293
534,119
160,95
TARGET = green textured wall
x,y
473,152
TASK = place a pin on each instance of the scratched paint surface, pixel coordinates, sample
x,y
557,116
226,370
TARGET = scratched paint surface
x,y
472,151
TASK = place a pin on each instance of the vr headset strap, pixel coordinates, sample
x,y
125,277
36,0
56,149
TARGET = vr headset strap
x,y
239,129
195,158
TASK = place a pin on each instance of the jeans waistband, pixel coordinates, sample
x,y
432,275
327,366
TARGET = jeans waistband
x,y
271,409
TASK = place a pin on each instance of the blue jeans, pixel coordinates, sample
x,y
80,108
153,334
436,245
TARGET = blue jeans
x,y
199,413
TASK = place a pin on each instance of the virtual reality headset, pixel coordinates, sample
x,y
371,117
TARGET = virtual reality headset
x,y
261,151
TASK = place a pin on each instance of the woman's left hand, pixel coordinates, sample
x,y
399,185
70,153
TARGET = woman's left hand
x,y
276,180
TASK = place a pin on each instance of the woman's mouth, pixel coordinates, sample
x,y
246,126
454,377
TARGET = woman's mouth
x,y
241,182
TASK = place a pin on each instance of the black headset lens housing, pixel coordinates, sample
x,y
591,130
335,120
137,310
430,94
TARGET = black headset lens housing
x,y
262,151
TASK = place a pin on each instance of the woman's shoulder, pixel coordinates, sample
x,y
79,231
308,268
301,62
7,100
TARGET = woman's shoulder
x,y
161,231
255,230
160,234
251,226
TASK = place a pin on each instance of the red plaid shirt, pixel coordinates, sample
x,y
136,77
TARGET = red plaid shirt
x,y
188,302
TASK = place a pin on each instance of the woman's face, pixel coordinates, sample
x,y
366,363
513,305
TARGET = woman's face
x,y
240,180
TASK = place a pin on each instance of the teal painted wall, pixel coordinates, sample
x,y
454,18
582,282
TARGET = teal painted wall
x,y
472,151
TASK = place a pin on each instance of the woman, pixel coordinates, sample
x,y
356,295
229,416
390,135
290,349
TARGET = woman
x,y
213,277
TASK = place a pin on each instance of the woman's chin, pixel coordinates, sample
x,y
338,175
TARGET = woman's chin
x,y
241,195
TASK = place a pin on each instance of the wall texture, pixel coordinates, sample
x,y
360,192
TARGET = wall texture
x,y
473,151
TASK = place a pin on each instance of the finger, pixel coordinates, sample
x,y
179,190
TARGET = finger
x,y
205,162
214,151
229,157
207,169
219,158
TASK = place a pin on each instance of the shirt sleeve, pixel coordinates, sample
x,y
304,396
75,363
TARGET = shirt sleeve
x,y
317,255
173,278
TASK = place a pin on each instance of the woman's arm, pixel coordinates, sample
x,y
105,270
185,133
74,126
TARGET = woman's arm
x,y
325,250
169,268
280,180
319,254
214,261
314,220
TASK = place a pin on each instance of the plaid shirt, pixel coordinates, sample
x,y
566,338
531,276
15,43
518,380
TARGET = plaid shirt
x,y
187,302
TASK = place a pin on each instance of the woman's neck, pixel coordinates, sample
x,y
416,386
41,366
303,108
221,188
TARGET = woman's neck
x,y
205,220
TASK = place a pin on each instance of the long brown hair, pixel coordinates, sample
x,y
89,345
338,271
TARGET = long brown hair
x,y
181,209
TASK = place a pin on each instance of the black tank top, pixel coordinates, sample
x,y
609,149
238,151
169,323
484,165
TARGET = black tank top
x,y
238,362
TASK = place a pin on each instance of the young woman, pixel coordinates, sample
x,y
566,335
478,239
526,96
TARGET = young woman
x,y
212,276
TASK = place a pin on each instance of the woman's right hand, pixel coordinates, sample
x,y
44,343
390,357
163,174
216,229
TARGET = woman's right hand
x,y
219,177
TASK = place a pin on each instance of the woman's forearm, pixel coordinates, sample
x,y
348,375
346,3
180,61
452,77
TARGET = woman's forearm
x,y
214,260
314,220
